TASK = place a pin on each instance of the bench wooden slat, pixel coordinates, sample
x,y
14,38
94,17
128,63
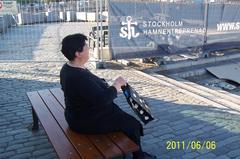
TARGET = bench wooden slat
x,y
62,146
85,148
58,94
125,144
106,146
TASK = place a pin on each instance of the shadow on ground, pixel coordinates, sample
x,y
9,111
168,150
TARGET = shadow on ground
x,y
17,140
180,130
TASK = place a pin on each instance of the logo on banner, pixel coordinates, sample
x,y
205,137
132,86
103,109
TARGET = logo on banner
x,y
128,29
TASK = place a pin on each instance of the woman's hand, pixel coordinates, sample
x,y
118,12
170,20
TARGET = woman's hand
x,y
119,82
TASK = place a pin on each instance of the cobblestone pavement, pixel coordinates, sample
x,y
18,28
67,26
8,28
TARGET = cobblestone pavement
x,y
185,127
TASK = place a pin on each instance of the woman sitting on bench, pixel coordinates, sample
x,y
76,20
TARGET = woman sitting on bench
x,y
89,99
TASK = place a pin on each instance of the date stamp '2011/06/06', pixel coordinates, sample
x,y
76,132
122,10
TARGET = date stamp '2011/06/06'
x,y
191,144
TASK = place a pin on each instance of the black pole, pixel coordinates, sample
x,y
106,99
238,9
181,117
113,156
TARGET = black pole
x,y
206,22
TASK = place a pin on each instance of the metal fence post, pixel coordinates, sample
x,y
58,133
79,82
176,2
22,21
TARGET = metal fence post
x,y
100,63
205,54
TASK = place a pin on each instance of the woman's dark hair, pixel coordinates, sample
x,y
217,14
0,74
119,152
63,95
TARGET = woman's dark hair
x,y
71,44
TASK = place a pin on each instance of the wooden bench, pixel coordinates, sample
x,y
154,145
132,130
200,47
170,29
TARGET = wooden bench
x,y
48,108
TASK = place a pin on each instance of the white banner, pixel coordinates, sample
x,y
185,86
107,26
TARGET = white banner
x,y
8,7
150,29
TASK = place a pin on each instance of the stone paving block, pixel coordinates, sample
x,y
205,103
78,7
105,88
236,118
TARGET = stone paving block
x,y
196,132
7,154
3,144
36,142
208,156
191,120
219,131
194,121
22,113
197,127
171,118
6,139
167,137
21,156
221,150
205,150
234,145
161,132
181,138
161,151
47,156
160,127
18,121
2,134
222,157
190,155
6,123
205,137
182,132
14,118
180,126
221,136
156,123
234,153
151,148
15,125
42,152
228,140
2,150
44,146
25,149
178,122
2,120
14,147
175,153
151,141
148,136
23,135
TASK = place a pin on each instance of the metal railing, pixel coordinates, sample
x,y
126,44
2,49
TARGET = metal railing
x,y
39,25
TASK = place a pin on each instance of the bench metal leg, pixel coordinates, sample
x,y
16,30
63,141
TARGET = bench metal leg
x,y
35,120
